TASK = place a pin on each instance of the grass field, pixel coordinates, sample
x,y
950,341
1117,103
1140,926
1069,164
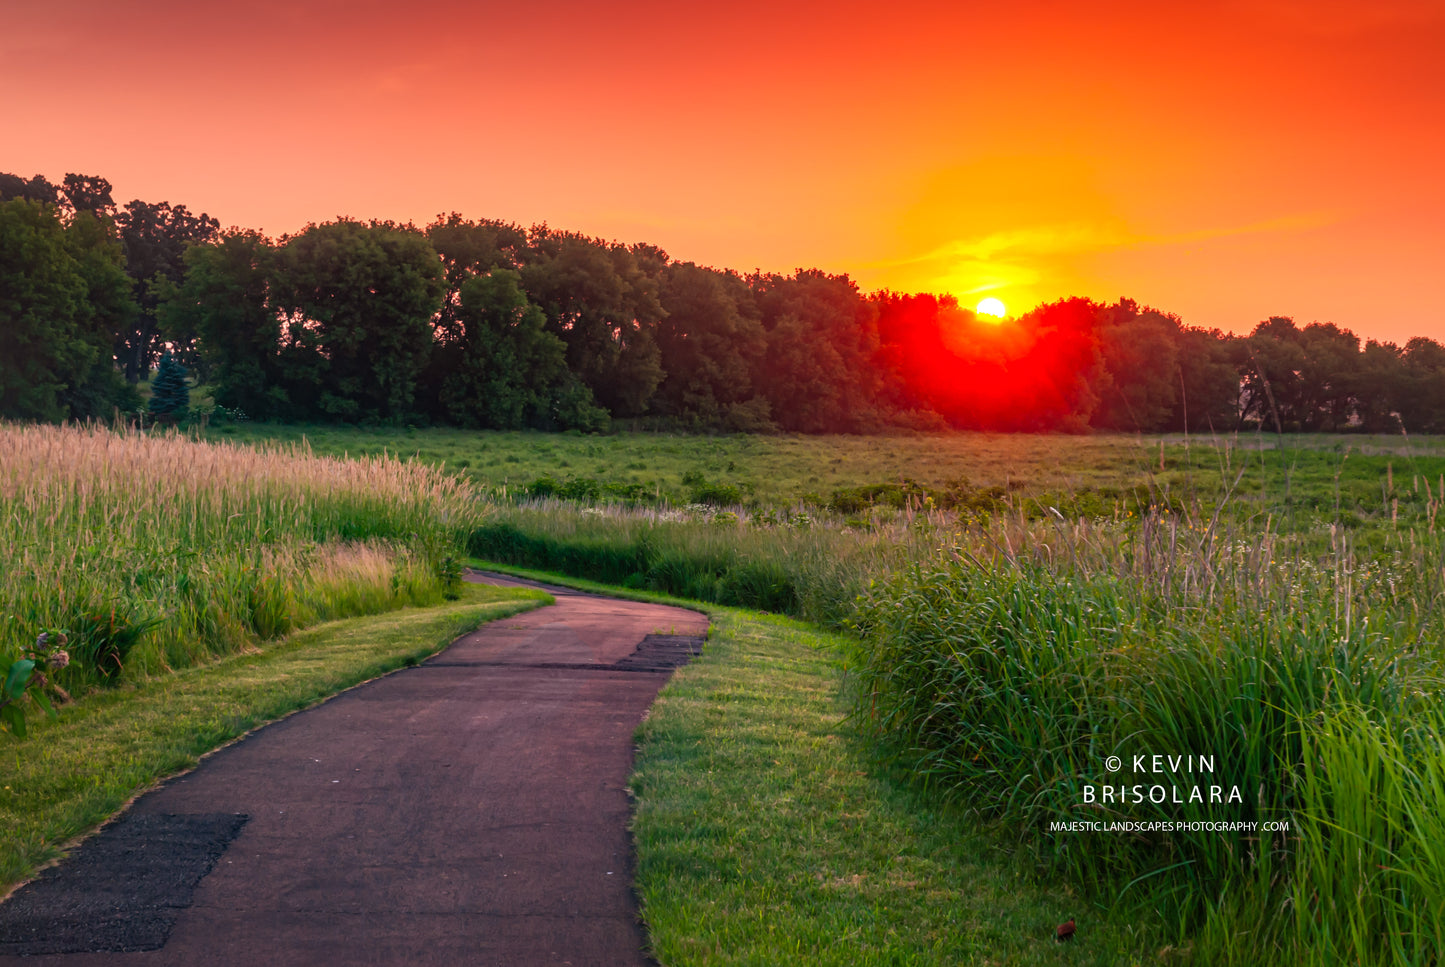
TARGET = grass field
x,y
1296,482
1290,635
1014,612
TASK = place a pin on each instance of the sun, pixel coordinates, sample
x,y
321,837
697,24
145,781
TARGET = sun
x,y
991,307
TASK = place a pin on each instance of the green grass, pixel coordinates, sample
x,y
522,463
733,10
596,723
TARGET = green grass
x,y
768,832
75,771
1006,682
1299,483
796,568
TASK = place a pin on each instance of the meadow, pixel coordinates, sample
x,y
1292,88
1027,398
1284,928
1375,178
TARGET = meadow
x,y
1271,605
1296,481
1009,615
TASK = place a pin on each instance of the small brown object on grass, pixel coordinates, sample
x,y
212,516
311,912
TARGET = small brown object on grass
x,y
1064,931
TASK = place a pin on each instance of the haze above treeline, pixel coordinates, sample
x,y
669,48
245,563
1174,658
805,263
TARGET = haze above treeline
x,y
485,324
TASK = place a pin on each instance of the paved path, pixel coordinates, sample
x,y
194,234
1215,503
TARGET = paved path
x,y
471,810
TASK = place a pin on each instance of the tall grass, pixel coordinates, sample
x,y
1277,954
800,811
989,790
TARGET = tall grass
x,y
157,551
787,564
1010,667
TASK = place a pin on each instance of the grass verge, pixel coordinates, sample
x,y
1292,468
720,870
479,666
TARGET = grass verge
x,y
77,770
767,832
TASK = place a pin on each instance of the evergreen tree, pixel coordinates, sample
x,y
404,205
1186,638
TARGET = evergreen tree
x,y
169,396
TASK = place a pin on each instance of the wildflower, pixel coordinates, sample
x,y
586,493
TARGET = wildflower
x,y
59,660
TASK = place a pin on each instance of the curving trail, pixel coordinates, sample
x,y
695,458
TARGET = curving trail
x,y
472,810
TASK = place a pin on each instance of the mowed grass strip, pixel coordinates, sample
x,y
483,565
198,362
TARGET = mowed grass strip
x,y
767,833
75,771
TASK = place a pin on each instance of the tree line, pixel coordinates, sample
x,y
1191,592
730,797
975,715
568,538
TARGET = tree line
x,y
485,324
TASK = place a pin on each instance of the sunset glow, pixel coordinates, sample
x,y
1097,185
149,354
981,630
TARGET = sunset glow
x,y
1225,162
991,307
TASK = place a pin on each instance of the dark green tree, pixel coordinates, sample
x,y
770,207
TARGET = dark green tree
x,y
90,238
155,237
225,300
1420,395
1301,379
170,397
43,311
506,371
1382,388
601,302
88,193
1209,397
711,343
818,372
468,249
358,301
1329,378
37,189
1272,389
57,285
1140,353
92,242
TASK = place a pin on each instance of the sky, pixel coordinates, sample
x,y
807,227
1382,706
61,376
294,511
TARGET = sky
x,y
1223,160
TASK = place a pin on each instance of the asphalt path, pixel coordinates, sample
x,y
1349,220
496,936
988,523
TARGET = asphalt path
x,y
471,810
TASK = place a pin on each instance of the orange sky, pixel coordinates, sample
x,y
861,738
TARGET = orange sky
x,y
1226,160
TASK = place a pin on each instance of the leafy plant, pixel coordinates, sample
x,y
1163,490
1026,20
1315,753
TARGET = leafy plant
x,y
27,676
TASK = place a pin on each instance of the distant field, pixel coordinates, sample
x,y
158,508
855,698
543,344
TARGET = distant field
x,y
1300,480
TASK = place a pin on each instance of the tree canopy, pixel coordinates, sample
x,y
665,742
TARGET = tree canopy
x,y
489,324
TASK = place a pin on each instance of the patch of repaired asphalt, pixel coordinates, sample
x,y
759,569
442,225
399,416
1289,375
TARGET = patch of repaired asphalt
x,y
655,654
121,890
662,653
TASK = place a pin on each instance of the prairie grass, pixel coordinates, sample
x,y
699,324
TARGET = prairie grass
x,y
158,551
1009,668
790,564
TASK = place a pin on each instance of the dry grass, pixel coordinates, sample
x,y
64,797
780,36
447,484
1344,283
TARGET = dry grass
x,y
178,550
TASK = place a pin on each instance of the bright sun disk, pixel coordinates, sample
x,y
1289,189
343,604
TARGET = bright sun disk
x,y
990,307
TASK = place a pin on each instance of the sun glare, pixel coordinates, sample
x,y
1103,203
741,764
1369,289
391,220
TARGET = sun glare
x,y
991,307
